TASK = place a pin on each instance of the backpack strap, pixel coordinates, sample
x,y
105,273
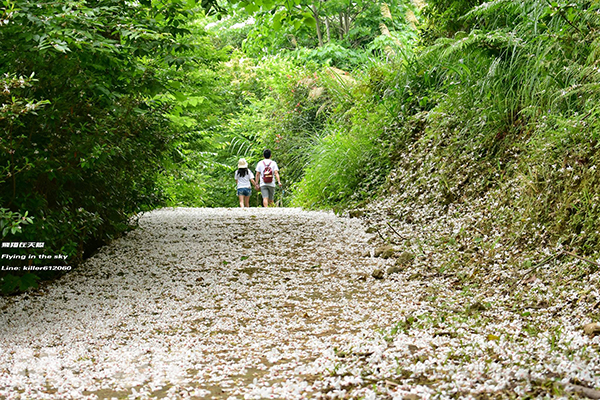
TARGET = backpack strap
x,y
266,165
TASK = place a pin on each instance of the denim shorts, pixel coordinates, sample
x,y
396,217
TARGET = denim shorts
x,y
244,191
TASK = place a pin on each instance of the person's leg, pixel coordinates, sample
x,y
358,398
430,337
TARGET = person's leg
x,y
246,201
272,196
264,191
241,200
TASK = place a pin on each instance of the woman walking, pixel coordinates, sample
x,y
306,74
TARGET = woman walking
x,y
244,181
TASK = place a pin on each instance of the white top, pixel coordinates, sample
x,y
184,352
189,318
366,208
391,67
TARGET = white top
x,y
260,167
243,182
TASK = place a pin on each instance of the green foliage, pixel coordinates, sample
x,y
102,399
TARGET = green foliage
x,y
446,18
332,54
333,33
10,222
501,106
112,108
13,284
82,140
344,166
290,102
506,115
198,107
263,120
332,141
227,125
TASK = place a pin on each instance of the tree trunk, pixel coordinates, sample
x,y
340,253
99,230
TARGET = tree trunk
x,y
342,30
294,41
318,24
347,22
328,28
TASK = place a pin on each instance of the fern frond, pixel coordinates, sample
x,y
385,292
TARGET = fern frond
x,y
495,40
411,18
491,8
385,11
420,4
384,29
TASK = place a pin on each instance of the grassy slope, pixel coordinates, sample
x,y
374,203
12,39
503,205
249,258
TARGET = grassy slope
x,y
502,121
493,202
496,190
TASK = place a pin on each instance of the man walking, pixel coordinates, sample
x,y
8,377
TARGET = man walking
x,y
267,171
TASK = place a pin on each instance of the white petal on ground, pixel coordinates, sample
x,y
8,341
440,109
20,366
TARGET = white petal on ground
x,y
275,303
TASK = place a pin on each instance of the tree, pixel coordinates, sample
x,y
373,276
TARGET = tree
x,y
445,18
83,138
355,23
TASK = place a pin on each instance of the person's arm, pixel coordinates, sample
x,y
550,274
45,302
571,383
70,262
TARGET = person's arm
x,y
256,179
277,176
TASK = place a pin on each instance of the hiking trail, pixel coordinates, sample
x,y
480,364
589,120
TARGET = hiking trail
x,y
243,304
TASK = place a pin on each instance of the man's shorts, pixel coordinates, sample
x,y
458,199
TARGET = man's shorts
x,y
268,192
244,191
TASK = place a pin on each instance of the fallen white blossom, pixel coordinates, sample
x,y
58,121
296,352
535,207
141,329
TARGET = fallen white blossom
x,y
276,303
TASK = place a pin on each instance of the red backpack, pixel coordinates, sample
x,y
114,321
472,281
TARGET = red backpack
x,y
267,173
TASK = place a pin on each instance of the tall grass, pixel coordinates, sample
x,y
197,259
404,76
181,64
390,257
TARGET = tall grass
x,y
512,116
344,166
349,157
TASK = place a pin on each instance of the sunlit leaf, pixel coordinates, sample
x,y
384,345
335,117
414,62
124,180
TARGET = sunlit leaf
x,y
251,8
